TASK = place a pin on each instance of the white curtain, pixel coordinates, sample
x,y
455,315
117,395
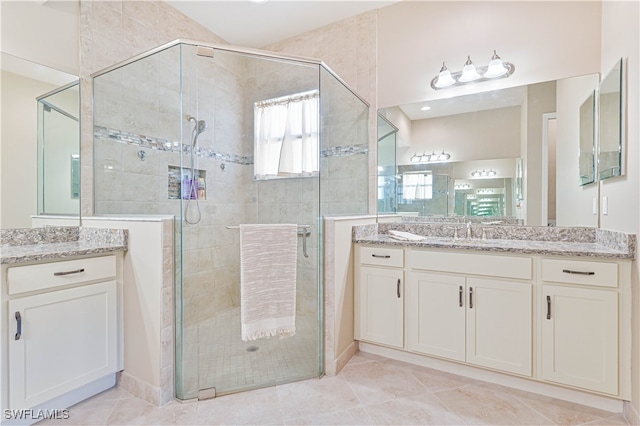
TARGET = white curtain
x,y
417,186
286,136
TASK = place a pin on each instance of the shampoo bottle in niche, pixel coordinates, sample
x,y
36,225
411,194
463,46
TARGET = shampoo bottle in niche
x,y
187,188
202,194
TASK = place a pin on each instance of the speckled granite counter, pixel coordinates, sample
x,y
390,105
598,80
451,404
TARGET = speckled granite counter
x,y
37,244
589,242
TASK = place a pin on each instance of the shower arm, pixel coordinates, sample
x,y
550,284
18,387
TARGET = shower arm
x,y
302,230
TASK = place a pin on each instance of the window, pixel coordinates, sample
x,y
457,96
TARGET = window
x,y
417,186
286,136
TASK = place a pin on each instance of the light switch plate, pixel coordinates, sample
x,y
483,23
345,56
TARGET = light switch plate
x,y
594,205
605,205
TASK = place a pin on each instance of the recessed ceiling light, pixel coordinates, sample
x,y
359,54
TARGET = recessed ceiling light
x,y
258,1
425,108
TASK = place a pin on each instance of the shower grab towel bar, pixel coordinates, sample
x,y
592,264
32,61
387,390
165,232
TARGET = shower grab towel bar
x,y
302,230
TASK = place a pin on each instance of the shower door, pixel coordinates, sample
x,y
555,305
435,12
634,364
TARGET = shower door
x,y
220,90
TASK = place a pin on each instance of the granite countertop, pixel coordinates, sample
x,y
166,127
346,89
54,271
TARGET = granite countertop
x,y
581,242
50,243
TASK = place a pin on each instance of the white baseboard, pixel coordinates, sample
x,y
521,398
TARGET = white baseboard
x,y
335,367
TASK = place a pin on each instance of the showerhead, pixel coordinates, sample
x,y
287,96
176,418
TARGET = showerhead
x,y
201,125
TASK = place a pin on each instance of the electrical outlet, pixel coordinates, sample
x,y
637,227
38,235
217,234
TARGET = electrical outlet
x,y
605,205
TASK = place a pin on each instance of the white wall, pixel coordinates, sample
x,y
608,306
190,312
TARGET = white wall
x,y
18,149
621,38
415,37
45,32
574,208
481,135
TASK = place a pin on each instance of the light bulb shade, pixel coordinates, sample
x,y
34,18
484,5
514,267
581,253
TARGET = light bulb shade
x,y
415,158
495,69
444,79
469,72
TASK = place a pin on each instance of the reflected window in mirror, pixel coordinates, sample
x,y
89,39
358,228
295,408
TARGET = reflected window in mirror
x,y
611,123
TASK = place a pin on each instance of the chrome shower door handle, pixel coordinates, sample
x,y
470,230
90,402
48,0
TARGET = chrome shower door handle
x,y
305,232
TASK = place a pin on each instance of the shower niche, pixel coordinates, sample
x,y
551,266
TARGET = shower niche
x,y
195,117
186,184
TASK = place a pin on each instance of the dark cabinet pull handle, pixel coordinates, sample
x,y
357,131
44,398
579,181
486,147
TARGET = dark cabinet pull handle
x,y
398,288
386,256
75,271
569,271
470,297
19,331
460,291
548,307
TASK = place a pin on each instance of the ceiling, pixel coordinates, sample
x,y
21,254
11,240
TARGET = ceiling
x,y
467,103
251,24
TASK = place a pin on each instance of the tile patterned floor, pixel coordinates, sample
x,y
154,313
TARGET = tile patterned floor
x,y
371,390
227,363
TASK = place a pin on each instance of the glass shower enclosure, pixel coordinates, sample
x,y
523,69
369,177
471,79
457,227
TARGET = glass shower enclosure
x,y
181,130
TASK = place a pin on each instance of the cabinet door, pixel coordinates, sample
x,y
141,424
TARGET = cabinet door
x,y
379,309
580,337
436,315
499,325
67,339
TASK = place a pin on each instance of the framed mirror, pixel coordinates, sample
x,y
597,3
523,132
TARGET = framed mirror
x,y
586,157
611,124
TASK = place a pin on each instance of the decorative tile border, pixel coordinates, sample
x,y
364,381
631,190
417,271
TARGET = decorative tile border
x,y
149,142
160,144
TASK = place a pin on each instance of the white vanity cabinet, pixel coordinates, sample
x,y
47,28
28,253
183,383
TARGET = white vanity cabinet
x,y
62,331
379,295
481,320
579,324
561,322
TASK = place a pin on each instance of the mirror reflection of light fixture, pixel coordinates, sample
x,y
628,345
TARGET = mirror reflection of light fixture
x,y
461,186
430,158
470,74
484,173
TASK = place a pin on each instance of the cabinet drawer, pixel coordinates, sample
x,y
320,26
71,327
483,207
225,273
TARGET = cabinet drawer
x,y
474,264
21,279
382,256
602,274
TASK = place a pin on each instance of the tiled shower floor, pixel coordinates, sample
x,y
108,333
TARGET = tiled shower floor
x,y
228,364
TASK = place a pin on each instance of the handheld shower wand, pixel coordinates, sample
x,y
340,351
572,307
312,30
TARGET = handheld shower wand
x,y
192,194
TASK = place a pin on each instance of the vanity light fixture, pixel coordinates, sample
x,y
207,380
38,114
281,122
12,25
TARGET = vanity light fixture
x,y
484,173
462,186
430,158
470,74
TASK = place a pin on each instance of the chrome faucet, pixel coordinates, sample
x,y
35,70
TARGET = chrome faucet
x,y
468,234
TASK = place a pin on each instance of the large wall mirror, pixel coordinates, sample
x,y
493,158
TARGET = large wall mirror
x,y
40,142
492,155
611,117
